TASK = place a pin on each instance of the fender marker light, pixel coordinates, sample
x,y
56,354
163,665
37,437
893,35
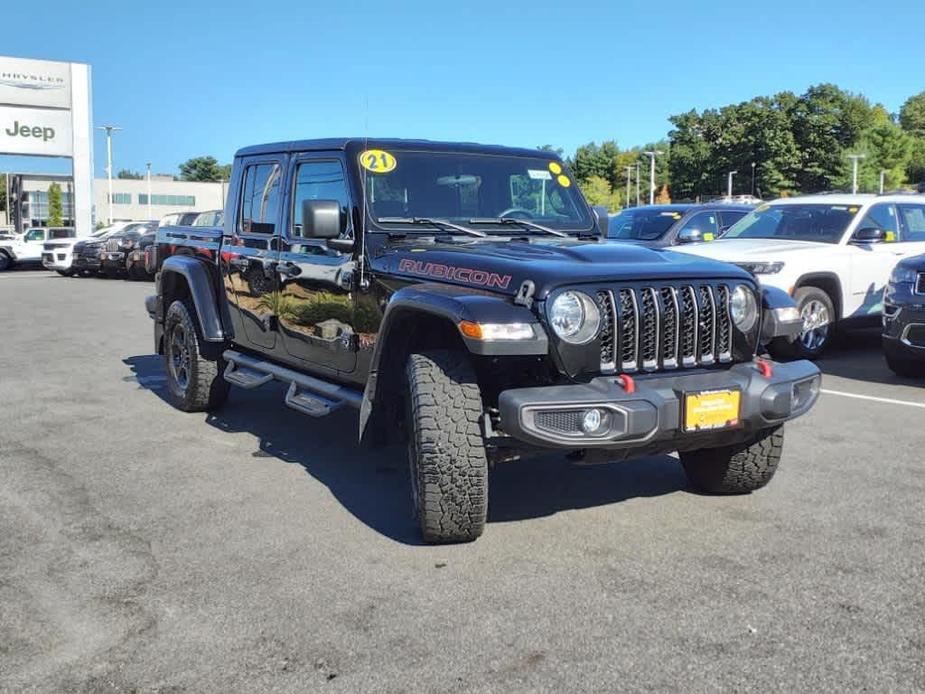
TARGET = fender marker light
x,y
494,332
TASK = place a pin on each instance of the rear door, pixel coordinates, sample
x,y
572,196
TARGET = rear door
x,y
250,256
316,320
912,226
872,263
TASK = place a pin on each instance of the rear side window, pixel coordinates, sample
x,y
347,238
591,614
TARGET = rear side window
x,y
259,211
705,223
913,217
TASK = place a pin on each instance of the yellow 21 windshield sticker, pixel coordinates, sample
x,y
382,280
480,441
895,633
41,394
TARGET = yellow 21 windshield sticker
x,y
378,161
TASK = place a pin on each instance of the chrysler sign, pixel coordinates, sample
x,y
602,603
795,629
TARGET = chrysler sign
x,y
36,131
35,83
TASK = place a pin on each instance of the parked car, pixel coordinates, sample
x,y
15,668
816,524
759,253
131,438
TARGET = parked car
x,y
833,253
136,263
461,296
210,218
181,219
115,256
28,249
659,226
58,255
904,318
86,254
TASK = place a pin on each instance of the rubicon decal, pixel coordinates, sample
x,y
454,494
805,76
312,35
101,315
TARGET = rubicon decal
x,y
467,275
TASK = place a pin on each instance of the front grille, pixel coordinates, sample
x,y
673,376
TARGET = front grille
x,y
89,251
649,328
920,284
112,245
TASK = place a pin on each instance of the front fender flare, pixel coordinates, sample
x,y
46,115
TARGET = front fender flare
x,y
779,319
198,279
451,304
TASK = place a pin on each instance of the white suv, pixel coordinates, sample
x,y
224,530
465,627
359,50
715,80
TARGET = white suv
x,y
833,253
58,255
27,249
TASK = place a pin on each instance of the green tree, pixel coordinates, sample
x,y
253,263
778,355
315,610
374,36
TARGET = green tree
x,y
912,115
224,171
55,208
201,169
558,151
597,160
129,175
597,191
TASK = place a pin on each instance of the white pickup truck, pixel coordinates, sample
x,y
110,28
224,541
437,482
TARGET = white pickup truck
x,y
832,253
28,248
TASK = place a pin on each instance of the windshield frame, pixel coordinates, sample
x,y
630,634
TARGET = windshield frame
x,y
843,235
502,230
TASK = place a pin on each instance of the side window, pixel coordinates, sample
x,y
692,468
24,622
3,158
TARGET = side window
x,y
705,223
260,199
913,217
729,217
882,217
35,235
318,180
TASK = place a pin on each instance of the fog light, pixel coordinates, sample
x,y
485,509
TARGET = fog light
x,y
591,421
804,393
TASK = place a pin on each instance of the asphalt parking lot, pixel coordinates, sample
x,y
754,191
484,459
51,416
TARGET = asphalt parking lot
x,y
147,550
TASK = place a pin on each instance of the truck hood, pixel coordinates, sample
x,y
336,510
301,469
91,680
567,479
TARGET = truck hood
x,y
503,265
736,250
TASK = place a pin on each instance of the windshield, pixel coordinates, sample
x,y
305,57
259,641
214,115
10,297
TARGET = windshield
x,y
461,187
642,224
819,223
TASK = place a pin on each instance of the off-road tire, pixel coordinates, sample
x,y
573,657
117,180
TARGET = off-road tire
x,y
782,349
446,450
194,383
736,469
5,262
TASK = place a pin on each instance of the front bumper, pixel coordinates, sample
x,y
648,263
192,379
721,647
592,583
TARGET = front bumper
x,y
650,419
57,260
904,320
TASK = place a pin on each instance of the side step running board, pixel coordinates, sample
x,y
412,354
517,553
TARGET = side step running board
x,y
306,394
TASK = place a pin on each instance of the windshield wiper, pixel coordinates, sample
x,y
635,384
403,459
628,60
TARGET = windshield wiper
x,y
522,222
433,222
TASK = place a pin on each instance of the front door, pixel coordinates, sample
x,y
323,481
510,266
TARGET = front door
x,y
33,243
316,317
872,263
250,256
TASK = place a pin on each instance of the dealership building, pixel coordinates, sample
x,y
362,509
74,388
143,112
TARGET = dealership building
x,y
131,199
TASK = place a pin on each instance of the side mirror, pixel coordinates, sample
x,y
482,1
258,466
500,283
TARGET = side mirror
x,y
603,220
869,235
689,235
322,219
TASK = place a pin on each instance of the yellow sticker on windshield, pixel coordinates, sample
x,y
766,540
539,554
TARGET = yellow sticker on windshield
x,y
563,180
890,236
378,161
708,236
852,210
554,167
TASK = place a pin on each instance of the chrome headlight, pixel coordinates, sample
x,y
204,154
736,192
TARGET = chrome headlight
x,y
575,317
744,308
762,268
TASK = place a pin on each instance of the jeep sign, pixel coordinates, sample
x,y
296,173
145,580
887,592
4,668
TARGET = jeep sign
x,y
35,131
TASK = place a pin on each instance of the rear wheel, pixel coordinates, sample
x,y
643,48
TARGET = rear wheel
x,y
818,312
446,451
5,262
195,383
736,469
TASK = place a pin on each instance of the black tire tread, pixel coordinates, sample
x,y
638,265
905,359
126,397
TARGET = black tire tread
x,y
446,446
736,469
207,389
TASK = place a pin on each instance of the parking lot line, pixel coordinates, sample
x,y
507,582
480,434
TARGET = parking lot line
x,y
891,401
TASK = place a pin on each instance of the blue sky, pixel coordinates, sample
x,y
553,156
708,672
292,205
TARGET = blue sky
x,y
191,78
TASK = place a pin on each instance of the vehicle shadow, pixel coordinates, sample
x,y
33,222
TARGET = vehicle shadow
x,y
372,484
858,355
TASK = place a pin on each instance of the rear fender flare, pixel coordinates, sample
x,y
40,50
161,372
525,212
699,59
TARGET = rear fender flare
x,y
198,280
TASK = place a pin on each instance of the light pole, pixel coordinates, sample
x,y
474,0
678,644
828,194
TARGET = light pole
x,y
652,154
854,170
637,184
629,170
729,184
148,165
109,129
882,178
6,192
753,179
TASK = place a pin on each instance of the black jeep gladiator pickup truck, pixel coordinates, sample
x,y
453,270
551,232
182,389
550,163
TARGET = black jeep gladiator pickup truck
x,y
462,298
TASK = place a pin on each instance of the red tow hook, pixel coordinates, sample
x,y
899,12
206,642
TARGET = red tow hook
x,y
765,367
629,385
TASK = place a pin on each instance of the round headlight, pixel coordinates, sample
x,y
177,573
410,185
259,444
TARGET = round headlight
x,y
744,308
574,317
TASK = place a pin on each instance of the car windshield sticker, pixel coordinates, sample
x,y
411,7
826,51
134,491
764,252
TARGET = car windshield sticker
x,y
708,236
563,180
890,236
539,174
555,168
852,210
378,161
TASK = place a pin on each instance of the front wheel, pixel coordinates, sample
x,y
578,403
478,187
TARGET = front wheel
x,y
818,313
5,262
446,450
737,469
195,383
64,273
